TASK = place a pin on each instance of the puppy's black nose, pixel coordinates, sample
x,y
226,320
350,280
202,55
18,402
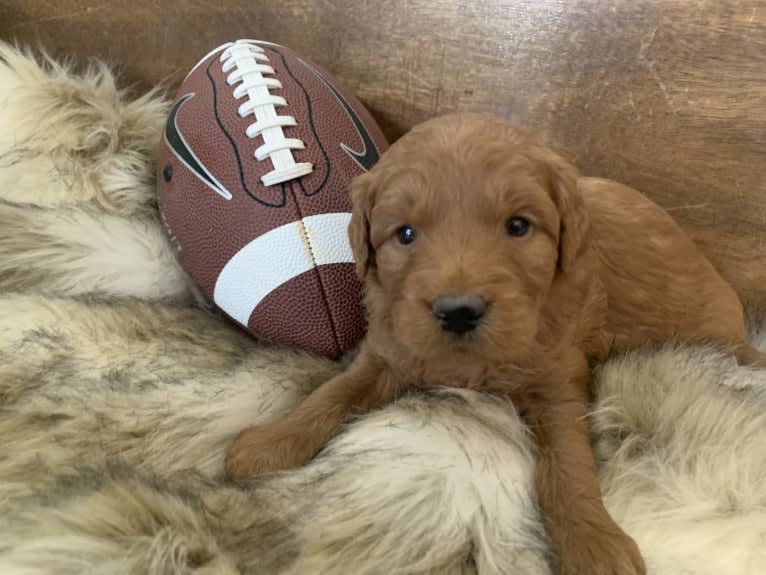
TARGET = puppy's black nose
x,y
458,314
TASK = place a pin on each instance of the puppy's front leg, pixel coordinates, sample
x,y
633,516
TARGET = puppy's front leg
x,y
290,442
586,538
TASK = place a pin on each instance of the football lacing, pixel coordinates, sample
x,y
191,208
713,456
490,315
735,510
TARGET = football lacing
x,y
247,64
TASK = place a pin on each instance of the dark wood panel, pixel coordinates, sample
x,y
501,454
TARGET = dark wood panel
x,y
665,95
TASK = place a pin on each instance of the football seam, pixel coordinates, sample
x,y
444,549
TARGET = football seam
x,y
331,318
318,141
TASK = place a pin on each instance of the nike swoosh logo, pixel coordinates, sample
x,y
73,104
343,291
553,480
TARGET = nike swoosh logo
x,y
369,155
181,149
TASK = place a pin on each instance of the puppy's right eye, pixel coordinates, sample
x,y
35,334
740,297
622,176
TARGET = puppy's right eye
x,y
517,226
405,235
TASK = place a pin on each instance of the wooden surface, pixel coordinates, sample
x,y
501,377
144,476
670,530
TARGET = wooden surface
x,y
667,95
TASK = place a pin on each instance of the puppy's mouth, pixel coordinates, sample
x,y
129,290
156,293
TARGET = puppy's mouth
x,y
463,346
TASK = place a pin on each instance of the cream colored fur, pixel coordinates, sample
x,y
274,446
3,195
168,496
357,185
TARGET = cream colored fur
x,y
117,398
75,146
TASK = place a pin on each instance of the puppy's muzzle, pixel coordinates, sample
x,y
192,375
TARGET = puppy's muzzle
x,y
459,314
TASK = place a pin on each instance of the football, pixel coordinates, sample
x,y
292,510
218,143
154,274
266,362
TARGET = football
x,y
253,176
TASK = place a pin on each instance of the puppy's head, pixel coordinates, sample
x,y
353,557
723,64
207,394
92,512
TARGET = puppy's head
x,y
459,233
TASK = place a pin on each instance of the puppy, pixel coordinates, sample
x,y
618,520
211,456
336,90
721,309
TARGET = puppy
x,y
490,264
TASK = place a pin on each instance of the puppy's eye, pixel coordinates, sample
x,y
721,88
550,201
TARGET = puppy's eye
x,y
517,226
405,235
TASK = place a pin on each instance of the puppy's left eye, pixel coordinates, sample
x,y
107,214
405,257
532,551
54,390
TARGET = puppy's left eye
x,y
405,235
517,226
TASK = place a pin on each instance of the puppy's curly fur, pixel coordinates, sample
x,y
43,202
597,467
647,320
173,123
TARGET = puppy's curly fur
x,y
596,268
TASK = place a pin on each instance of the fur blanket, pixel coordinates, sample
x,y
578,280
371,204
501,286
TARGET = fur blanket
x,y
118,396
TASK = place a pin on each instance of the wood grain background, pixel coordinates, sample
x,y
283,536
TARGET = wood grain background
x,y
666,95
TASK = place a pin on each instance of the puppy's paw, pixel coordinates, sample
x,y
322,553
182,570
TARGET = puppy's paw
x,y
751,357
268,448
596,552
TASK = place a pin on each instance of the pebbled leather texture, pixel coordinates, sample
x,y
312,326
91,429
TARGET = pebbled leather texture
x,y
314,303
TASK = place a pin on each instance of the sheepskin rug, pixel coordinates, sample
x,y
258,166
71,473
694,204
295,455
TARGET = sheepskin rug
x,y
119,394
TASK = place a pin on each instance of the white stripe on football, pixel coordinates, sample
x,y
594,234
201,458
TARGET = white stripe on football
x,y
278,256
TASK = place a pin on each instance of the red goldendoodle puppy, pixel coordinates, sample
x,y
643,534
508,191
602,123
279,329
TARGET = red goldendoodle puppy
x,y
490,264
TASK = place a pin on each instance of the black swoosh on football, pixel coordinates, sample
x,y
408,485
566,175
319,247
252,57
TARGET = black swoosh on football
x,y
369,156
180,148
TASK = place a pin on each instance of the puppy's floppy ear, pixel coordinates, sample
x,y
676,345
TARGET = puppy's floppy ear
x,y
359,227
575,222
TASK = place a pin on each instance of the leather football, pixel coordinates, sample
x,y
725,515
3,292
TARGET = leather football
x,y
254,171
